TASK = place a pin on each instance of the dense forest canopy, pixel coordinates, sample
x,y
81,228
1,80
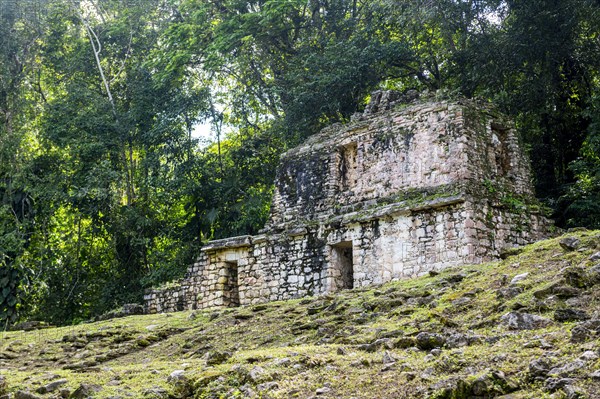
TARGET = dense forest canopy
x,y
104,190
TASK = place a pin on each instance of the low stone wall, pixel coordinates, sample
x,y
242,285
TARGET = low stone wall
x,y
178,295
166,299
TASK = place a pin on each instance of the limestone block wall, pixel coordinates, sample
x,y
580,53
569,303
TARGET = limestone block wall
x,y
421,147
288,265
405,245
493,226
179,295
165,300
226,261
413,243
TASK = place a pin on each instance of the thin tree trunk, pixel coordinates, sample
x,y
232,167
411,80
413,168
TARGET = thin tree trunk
x,y
97,49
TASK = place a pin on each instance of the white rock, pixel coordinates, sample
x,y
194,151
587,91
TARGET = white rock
x,y
519,277
176,376
257,373
322,391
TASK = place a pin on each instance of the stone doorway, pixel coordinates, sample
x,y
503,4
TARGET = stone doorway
x,y
342,266
231,288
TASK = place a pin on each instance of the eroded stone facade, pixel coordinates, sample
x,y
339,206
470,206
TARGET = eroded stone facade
x,y
396,193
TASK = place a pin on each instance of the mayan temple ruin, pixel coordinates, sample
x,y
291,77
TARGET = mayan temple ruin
x,y
402,190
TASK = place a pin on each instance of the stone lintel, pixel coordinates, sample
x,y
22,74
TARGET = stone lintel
x,y
295,232
438,203
397,209
259,239
232,242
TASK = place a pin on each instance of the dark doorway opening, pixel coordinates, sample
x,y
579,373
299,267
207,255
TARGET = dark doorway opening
x,y
231,289
342,265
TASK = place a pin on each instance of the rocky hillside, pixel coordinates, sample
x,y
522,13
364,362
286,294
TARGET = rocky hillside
x,y
526,327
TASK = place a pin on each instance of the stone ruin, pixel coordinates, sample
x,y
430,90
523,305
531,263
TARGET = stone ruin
x,y
400,191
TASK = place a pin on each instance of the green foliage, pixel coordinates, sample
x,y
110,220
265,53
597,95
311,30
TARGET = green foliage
x,y
18,40
110,209
9,299
583,198
232,191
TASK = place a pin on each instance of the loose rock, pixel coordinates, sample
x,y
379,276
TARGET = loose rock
x,y
570,314
572,392
155,392
376,345
524,321
558,289
585,330
593,276
258,374
428,341
539,368
182,387
25,395
576,277
568,369
509,292
554,384
267,386
491,384
388,358
462,301
518,278
459,340
51,387
216,357
85,390
570,243
588,356
176,375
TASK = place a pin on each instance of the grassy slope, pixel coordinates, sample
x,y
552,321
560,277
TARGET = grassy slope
x,y
337,342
